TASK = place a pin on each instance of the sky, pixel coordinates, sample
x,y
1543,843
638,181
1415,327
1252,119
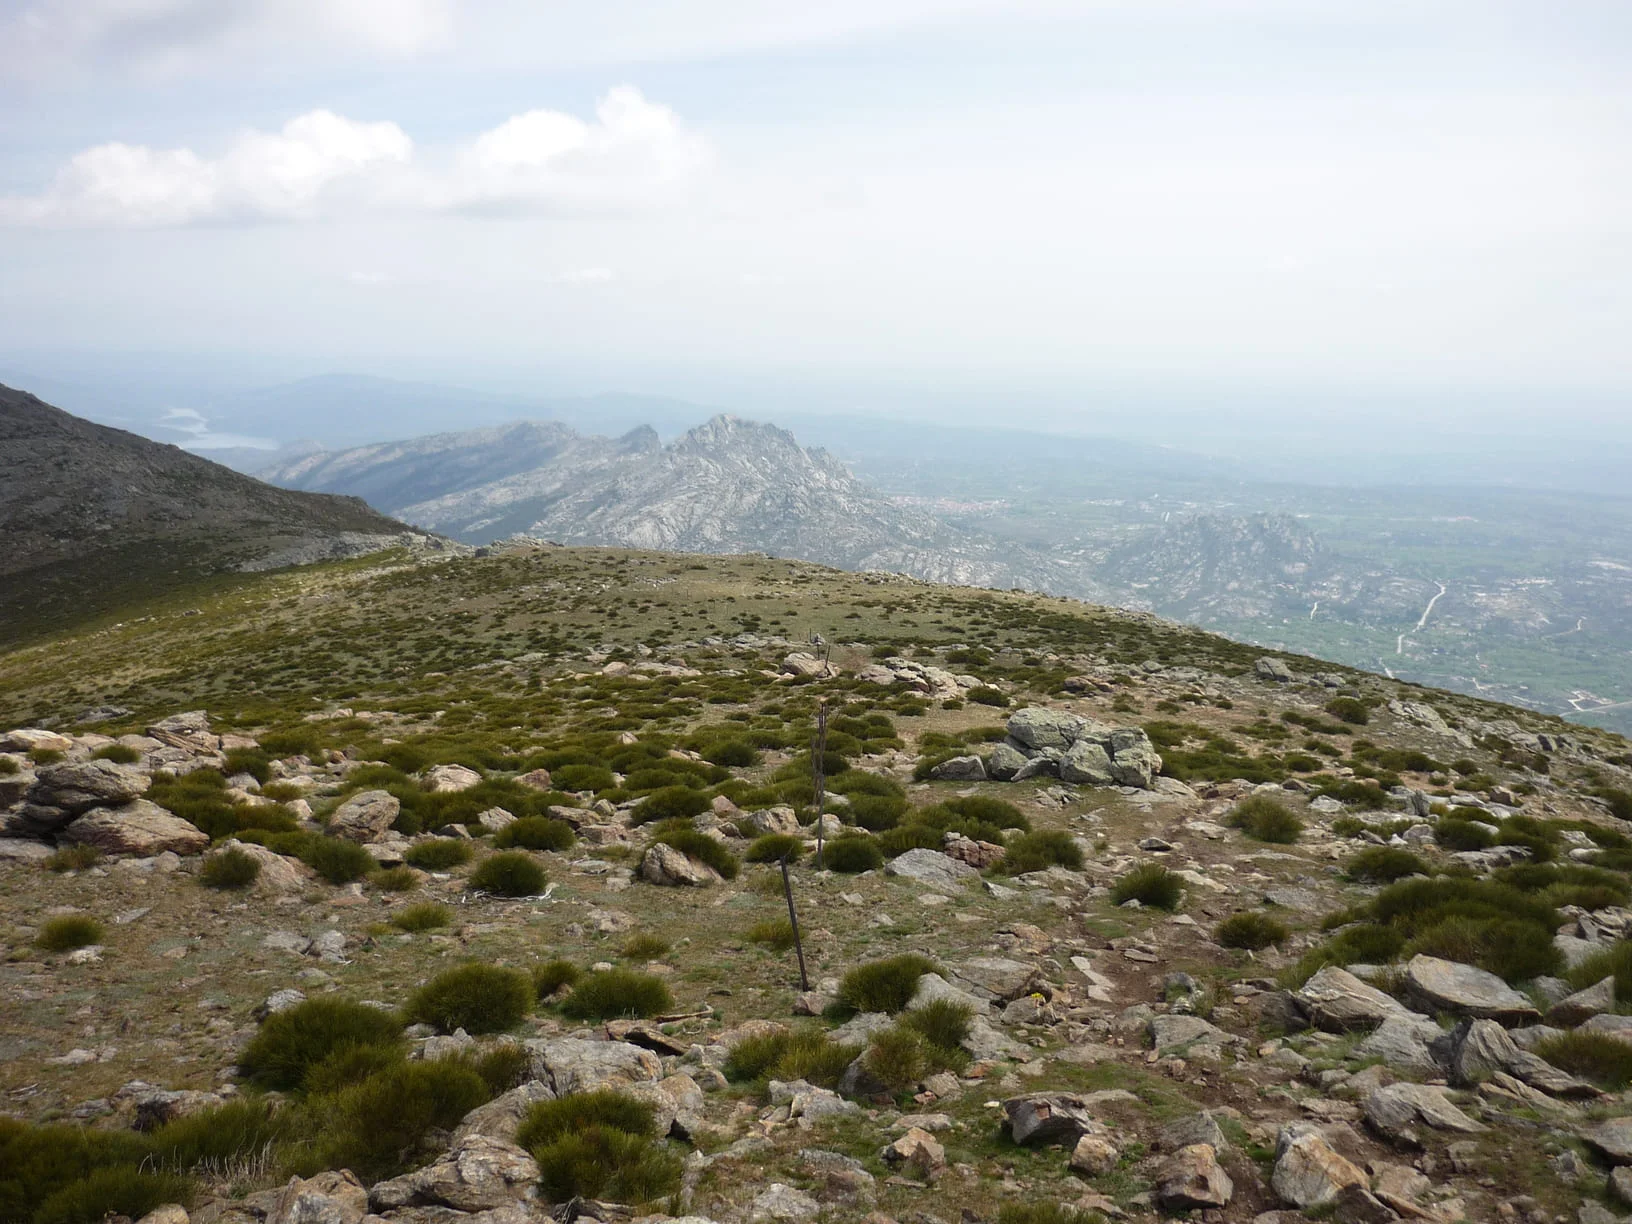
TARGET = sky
x,y
1003,207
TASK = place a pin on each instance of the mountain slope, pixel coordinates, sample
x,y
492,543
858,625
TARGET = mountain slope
x,y
92,516
727,486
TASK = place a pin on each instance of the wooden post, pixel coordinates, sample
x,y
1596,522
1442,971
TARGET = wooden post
x,y
793,921
818,748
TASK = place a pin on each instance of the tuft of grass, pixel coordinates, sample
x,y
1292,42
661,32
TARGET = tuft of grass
x,y
535,833
293,1041
394,879
1598,1057
1151,885
1514,950
439,854
424,916
73,858
382,1124
644,946
230,868
1614,961
852,855
119,1191
884,985
214,1138
615,993
475,997
70,931
338,861
547,1121
551,976
1266,819
1385,864
119,754
803,1053
1046,1213
897,1057
1041,850
1455,834
774,933
1251,930
942,1023
703,849
510,873
604,1163
774,847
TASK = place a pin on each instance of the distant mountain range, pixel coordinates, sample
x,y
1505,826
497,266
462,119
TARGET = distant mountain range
x,y
93,516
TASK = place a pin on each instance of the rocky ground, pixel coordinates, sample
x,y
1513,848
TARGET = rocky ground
x,y
1090,1038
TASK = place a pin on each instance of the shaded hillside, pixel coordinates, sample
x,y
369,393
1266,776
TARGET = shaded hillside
x,y
93,516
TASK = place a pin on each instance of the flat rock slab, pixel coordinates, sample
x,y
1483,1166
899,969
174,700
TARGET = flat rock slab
x,y
1040,1118
931,867
1444,985
1337,1001
1613,1138
1393,1110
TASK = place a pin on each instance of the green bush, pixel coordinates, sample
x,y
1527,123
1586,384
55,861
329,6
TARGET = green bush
x,y
906,837
1266,819
336,860
214,1138
549,1120
70,931
737,754
1350,709
671,803
616,993
292,1041
644,946
424,916
119,754
381,1125
38,1161
773,847
852,855
1040,850
503,1067
582,777
510,873
551,976
73,858
251,761
394,879
942,1023
1514,951
803,1053
1598,1057
535,833
1251,930
774,933
119,1191
229,868
604,1163
1385,864
884,985
988,696
1614,961
1151,885
475,997
1456,834
702,848
439,854
350,1065
897,1058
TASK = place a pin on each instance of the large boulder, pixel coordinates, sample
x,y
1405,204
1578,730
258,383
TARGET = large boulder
x,y
501,1117
960,769
325,1198
665,865
1337,1002
450,779
1041,1118
34,739
780,819
279,875
931,868
1087,764
477,1174
190,732
998,977
1308,1172
1004,761
141,828
1613,1138
1040,727
1583,1005
82,785
365,816
1192,1178
1442,985
1393,1110
1479,1049
575,1064
1134,759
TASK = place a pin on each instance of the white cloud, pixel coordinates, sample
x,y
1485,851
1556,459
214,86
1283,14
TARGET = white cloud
x,y
633,153
588,276
169,37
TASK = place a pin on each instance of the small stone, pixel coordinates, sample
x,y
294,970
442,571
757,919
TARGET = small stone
x,y
1094,1156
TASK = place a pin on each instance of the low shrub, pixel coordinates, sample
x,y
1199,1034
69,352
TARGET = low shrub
x,y
1046,1213
394,879
774,933
988,696
381,1125
671,803
213,1138
897,1058
67,932
229,868
774,847
423,916
942,1023
439,853
292,1041
551,976
803,1053
1614,961
1151,885
475,997
906,837
549,1120
338,861
618,993
852,855
1454,834
604,1163
1597,1057
535,833
350,1065
884,985
644,946
251,761
1266,819
38,1161
1384,865
702,848
1350,709
119,754
1251,930
1040,850
1514,950
510,873
119,1191
73,858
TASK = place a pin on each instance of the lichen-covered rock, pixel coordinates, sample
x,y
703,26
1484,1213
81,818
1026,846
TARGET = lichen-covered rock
x,y
141,829
1041,727
478,1173
1192,1178
574,1064
326,1198
365,816
450,779
1045,1118
82,785
1088,764
960,769
1393,1110
1337,1001
932,868
1443,985
664,865
1308,1172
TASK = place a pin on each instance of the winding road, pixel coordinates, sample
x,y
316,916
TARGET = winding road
x,y
1399,642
